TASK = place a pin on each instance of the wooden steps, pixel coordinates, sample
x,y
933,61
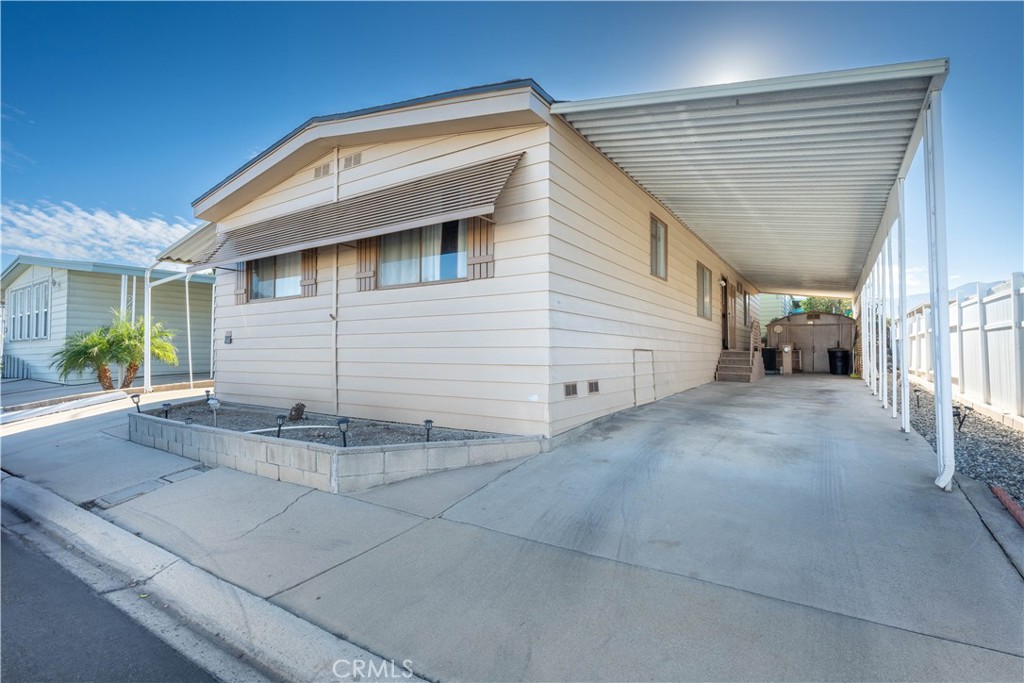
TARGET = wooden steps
x,y
735,366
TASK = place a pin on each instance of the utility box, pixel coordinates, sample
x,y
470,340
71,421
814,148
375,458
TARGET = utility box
x,y
787,359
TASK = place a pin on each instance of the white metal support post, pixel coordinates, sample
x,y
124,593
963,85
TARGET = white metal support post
x,y
883,306
869,333
983,366
188,331
891,315
939,290
147,375
904,336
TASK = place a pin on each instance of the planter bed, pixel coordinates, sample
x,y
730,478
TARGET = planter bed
x,y
378,452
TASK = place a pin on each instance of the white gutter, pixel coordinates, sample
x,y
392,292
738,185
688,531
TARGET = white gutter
x,y
923,69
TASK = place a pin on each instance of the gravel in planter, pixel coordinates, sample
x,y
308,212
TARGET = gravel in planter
x,y
314,428
984,449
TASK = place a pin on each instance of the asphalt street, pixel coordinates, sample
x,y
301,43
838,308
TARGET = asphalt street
x,y
55,628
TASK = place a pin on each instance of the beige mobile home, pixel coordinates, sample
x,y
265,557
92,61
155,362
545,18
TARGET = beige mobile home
x,y
45,300
492,259
467,257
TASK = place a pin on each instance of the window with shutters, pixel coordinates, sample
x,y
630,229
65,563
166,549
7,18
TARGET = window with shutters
x,y
703,291
444,252
277,277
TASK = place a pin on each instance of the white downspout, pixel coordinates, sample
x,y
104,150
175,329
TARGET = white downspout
x,y
939,290
122,309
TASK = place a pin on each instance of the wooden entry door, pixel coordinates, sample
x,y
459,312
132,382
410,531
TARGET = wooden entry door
x,y
728,314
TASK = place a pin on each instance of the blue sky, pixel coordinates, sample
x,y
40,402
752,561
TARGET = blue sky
x,y
117,115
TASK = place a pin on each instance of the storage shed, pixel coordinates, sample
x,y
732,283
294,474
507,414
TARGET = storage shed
x,y
812,335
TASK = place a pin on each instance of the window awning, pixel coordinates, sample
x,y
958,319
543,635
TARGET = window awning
x,y
451,195
192,246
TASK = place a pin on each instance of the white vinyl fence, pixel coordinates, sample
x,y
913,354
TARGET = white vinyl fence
x,y
986,345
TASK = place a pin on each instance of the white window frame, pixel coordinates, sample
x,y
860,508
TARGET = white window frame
x,y
29,315
705,298
659,248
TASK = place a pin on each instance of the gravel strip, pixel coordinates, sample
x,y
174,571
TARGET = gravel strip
x,y
314,428
984,449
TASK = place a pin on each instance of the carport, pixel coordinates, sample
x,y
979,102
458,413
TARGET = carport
x,y
798,183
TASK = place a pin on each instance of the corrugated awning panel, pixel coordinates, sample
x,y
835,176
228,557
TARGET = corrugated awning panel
x,y
192,247
787,180
460,193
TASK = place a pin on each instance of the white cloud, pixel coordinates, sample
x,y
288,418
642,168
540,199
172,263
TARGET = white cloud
x,y
67,231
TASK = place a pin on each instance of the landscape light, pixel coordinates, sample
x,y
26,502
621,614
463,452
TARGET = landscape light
x,y
280,421
167,409
214,403
343,426
917,395
135,399
207,394
428,425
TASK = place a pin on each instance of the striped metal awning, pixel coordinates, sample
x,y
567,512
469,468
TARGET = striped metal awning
x,y
790,179
451,195
193,246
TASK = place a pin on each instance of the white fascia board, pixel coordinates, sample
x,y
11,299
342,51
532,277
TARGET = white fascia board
x,y
477,112
929,68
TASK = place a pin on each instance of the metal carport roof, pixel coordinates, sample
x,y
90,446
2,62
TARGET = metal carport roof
x,y
791,180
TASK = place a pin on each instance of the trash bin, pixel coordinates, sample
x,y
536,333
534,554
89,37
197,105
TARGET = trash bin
x,y
769,359
839,361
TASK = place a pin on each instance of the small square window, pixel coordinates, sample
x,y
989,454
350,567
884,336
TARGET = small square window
x,y
593,387
571,390
322,170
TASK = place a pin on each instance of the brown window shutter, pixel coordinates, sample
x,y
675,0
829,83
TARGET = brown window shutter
x,y
480,248
366,264
308,282
241,283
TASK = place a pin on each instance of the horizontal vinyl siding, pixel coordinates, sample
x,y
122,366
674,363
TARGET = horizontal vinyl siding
x,y
604,301
470,354
93,296
280,352
38,353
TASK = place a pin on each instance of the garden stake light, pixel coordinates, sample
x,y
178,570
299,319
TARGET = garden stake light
x,y
135,399
167,409
428,425
280,421
214,403
343,426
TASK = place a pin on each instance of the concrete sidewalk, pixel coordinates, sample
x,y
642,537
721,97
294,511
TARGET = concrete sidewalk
x,y
784,530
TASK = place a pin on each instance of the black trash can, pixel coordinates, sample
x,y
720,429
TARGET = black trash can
x,y
839,361
768,357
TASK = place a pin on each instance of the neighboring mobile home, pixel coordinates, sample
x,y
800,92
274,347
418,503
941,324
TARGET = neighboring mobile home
x,y
45,300
467,257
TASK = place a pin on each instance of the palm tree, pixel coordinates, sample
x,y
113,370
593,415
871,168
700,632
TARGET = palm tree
x,y
127,342
85,351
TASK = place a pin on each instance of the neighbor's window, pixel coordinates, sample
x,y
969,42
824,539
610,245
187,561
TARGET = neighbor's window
x,y
430,254
659,250
29,312
703,292
276,277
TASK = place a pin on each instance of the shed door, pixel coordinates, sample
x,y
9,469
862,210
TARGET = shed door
x,y
824,338
643,376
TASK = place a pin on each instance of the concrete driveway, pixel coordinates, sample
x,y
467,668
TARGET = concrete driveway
x,y
785,530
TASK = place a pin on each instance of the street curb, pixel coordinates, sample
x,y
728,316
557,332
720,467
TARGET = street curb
x,y
1010,504
289,647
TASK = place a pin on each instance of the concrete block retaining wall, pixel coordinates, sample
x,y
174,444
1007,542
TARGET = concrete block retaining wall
x,y
328,468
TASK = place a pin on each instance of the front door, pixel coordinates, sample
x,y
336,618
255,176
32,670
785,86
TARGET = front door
x,y
725,313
